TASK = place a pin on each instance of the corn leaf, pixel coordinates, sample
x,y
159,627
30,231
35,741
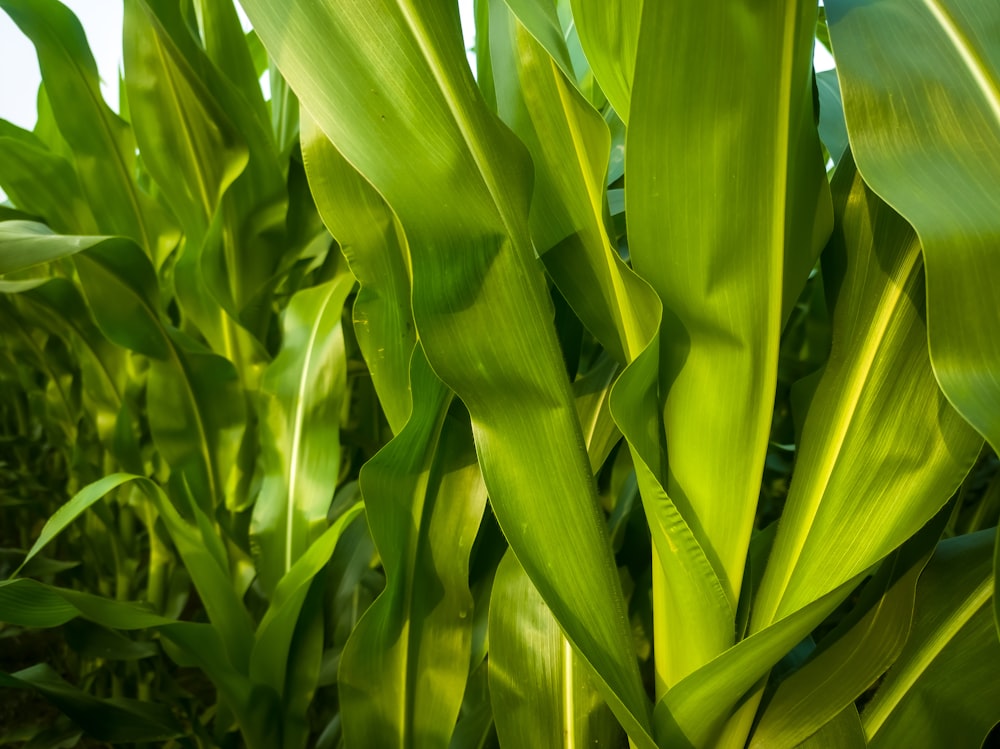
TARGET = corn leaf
x,y
375,249
609,33
272,643
301,398
540,691
923,111
852,657
71,511
102,143
723,309
842,732
116,720
943,691
424,498
881,449
42,182
467,273
569,143
189,145
25,244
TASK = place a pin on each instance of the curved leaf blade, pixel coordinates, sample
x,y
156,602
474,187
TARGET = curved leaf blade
x,y
923,109
467,275
301,399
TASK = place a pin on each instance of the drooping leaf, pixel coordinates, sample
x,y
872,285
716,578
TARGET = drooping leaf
x,y
881,449
375,249
923,109
71,511
116,719
25,244
102,143
467,275
852,657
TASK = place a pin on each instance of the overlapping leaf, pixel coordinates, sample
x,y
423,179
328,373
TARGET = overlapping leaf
x,y
727,285
101,142
881,449
943,688
407,115
923,111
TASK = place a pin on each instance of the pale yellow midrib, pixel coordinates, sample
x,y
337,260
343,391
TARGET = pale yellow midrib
x,y
842,419
987,86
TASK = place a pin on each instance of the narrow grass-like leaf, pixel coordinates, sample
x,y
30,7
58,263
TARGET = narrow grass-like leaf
x,y
609,33
70,511
726,285
103,365
116,720
42,182
569,143
25,244
540,691
100,140
694,712
852,657
467,275
269,661
302,394
923,111
943,690
881,449
196,411
189,145
424,497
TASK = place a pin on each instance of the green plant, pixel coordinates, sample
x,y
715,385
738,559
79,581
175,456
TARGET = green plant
x,y
728,409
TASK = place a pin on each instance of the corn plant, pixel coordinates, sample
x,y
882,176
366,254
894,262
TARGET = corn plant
x,y
640,387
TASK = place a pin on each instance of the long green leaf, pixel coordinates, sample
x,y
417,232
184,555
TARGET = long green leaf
x,y
569,143
922,105
852,657
115,720
424,498
727,285
189,145
302,394
609,33
468,274
25,244
70,511
42,182
881,449
540,691
375,248
943,689
196,409
270,657
101,141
